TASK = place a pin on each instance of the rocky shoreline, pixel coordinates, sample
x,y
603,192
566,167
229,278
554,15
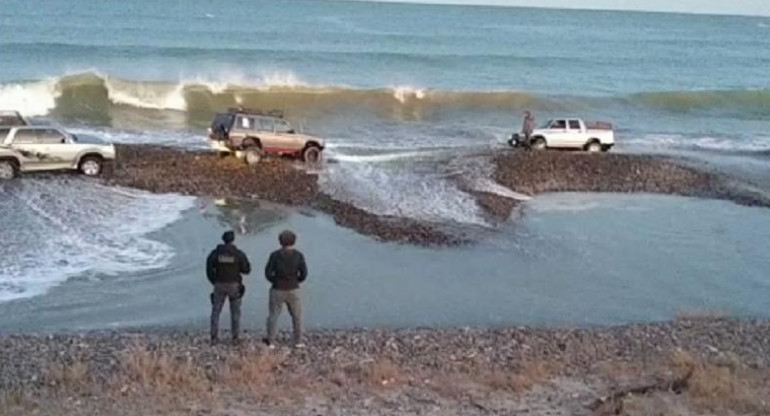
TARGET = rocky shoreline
x,y
190,172
535,173
163,169
720,364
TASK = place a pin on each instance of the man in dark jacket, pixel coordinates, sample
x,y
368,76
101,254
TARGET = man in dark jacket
x,y
527,128
224,267
285,270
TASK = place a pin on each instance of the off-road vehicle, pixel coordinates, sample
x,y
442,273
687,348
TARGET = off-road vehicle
x,y
40,148
251,133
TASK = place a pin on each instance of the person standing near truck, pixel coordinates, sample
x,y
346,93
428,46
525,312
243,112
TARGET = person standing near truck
x,y
224,267
285,270
527,129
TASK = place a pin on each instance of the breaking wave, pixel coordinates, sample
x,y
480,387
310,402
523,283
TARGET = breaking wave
x,y
92,92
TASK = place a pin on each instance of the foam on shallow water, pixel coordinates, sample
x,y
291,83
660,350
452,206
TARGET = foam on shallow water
x,y
54,229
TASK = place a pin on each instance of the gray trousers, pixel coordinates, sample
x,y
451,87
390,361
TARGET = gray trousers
x,y
277,299
222,292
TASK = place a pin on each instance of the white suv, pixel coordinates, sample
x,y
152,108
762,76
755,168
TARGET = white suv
x,y
28,149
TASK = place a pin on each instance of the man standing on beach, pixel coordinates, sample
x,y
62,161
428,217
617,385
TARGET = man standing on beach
x,y
224,267
285,270
528,128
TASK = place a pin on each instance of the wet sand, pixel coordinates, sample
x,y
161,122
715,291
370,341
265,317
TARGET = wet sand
x,y
696,365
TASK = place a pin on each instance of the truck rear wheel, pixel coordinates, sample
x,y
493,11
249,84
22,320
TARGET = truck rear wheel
x,y
311,154
7,170
594,147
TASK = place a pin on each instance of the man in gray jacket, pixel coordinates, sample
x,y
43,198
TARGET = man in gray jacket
x,y
224,267
528,128
285,270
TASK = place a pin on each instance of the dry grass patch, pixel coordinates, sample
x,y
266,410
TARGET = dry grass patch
x,y
252,372
530,374
381,373
727,385
720,386
74,378
458,385
619,372
158,373
15,402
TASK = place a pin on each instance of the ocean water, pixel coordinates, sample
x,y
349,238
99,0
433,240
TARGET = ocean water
x,y
564,262
400,91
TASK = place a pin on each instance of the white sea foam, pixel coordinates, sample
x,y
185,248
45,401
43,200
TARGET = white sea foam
x,y
53,234
32,98
154,96
379,157
749,144
489,186
406,93
402,192
159,137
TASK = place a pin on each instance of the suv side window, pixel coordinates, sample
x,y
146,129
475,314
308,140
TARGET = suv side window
x,y
282,126
574,125
245,122
25,137
50,136
265,124
559,124
9,120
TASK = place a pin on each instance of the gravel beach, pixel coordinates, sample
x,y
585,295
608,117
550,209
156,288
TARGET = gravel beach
x,y
411,371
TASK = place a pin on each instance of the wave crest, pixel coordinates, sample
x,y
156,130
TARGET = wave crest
x,y
89,93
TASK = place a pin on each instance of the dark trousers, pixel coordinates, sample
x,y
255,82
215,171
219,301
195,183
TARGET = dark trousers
x,y
277,299
222,292
527,141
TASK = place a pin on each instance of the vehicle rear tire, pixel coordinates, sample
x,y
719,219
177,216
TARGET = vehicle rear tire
x,y
538,143
91,166
8,170
252,156
311,154
594,147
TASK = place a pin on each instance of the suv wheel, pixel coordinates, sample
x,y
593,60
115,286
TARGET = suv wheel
x,y
253,155
91,166
7,169
538,143
311,154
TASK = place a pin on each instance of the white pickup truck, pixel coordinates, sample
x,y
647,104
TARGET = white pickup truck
x,y
569,133
28,148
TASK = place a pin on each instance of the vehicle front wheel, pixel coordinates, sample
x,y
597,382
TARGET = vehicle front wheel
x,y
91,166
311,154
594,147
538,143
253,156
7,170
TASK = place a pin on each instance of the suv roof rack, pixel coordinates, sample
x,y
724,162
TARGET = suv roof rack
x,y
256,112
